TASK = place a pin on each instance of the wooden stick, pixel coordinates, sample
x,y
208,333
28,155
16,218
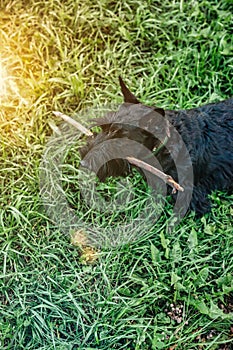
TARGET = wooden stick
x,y
74,123
166,178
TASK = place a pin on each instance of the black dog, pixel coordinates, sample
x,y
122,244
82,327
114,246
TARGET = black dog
x,y
194,146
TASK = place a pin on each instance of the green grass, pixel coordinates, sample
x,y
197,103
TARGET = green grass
x,y
168,290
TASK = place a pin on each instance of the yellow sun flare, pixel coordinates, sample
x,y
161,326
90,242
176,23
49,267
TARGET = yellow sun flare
x,y
9,88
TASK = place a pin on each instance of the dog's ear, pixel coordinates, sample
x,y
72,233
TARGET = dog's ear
x,y
128,96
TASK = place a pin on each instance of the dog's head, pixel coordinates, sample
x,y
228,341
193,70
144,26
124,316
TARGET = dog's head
x,y
134,130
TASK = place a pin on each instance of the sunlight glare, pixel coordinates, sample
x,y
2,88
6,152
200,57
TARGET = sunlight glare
x,y
9,88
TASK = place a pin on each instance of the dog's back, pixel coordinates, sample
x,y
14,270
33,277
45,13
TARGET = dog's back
x,y
207,132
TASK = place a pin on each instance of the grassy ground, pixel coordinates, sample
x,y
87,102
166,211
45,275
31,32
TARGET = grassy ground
x,y
166,291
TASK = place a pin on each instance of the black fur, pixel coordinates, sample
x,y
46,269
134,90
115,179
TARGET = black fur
x,y
206,131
